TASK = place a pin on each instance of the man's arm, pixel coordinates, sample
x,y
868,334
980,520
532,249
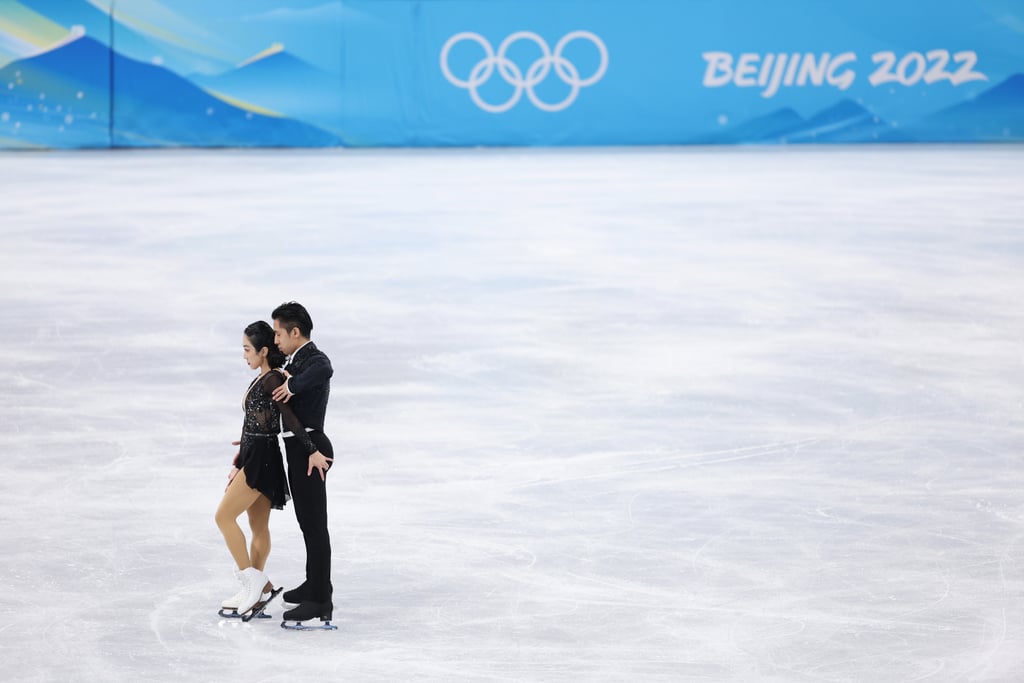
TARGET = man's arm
x,y
316,371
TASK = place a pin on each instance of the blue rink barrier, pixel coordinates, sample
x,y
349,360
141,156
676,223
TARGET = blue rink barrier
x,y
508,72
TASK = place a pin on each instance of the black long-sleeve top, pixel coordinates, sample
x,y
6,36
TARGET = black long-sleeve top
x,y
310,384
263,415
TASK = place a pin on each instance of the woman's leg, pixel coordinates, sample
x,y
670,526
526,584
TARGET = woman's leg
x,y
259,522
237,499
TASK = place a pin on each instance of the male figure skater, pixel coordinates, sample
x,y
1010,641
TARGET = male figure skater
x,y
306,391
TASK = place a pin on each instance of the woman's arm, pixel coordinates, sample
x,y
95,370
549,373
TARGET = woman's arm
x,y
291,422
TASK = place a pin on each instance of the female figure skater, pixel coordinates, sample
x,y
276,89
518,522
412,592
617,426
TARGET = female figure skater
x,y
259,460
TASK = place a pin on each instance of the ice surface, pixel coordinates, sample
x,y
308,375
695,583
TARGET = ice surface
x,y
664,414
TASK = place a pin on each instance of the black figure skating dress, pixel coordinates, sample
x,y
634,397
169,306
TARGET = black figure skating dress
x,y
259,455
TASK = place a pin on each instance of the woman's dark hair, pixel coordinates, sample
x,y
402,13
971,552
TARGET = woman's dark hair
x,y
291,315
261,335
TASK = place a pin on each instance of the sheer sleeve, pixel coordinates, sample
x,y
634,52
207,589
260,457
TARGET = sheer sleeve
x,y
272,381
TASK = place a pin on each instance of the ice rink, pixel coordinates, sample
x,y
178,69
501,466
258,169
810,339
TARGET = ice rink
x,y
637,414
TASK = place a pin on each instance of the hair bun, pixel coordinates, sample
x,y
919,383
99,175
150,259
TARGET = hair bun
x,y
261,334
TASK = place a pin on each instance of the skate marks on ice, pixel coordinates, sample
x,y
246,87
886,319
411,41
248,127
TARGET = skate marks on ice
x,y
643,463
602,417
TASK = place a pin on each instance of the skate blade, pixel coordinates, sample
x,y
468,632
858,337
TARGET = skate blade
x,y
299,626
257,611
235,615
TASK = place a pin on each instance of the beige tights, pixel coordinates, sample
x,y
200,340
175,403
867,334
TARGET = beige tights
x,y
237,499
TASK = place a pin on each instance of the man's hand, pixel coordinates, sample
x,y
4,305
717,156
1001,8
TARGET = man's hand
x,y
281,393
320,462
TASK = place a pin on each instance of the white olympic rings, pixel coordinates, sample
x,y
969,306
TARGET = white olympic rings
x,y
513,75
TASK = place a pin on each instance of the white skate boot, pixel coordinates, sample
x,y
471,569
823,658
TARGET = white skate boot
x,y
229,608
253,583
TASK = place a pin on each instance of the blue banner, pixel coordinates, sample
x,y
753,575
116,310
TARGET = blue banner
x,y
512,72
95,73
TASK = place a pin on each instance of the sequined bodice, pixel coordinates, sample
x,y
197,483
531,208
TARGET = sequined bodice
x,y
262,416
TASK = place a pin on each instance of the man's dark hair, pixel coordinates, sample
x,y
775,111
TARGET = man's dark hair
x,y
293,314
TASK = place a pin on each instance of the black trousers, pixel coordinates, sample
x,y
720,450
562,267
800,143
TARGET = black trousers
x,y
309,497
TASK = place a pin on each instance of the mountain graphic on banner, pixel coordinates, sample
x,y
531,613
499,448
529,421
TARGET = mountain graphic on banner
x,y
845,121
60,98
137,36
46,95
995,114
155,106
768,128
281,82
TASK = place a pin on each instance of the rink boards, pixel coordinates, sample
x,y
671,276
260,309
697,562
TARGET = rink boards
x,y
507,72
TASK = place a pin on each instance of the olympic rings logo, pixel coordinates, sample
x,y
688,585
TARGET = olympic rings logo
x,y
513,75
